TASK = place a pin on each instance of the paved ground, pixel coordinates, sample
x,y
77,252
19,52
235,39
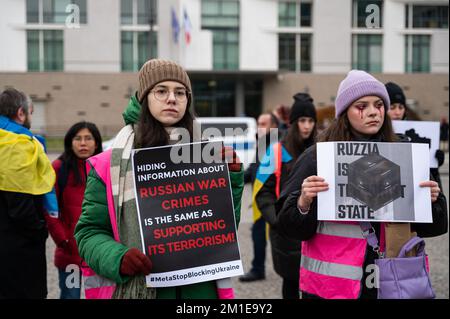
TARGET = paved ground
x,y
437,248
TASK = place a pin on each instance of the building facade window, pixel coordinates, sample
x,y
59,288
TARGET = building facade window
x,y
137,46
362,9
295,14
294,52
367,52
53,11
45,50
417,53
214,97
222,18
425,16
135,49
138,12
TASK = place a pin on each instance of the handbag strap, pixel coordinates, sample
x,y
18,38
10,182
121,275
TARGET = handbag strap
x,y
369,234
410,244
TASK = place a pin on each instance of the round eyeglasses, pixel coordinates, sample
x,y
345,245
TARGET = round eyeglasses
x,y
162,94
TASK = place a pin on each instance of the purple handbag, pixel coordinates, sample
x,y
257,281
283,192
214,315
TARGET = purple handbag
x,y
401,277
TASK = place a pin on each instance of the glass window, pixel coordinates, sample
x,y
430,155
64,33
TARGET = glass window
x,y
367,52
146,11
127,51
305,52
53,50
294,14
130,41
214,97
83,10
54,11
417,50
222,18
225,49
126,12
305,14
294,52
430,16
53,54
287,14
210,8
220,13
230,8
144,48
32,11
33,50
360,15
286,52
253,97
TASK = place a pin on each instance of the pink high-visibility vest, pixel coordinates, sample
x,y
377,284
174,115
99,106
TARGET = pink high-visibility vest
x,y
98,287
332,261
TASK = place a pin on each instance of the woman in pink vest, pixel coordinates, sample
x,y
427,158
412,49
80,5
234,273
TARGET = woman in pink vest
x,y
335,254
108,231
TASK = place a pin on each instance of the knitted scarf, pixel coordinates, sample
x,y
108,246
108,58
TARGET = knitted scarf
x,y
126,209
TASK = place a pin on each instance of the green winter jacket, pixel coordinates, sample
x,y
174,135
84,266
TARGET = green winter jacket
x,y
95,239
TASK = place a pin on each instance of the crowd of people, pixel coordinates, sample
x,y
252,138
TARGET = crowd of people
x,y
85,198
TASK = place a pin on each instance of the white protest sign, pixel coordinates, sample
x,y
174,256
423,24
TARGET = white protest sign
x,y
421,132
374,182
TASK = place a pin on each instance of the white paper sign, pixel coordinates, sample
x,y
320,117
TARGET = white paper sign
x,y
421,132
374,182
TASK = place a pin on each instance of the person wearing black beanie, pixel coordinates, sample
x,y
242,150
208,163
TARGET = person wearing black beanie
x,y
300,135
303,107
398,110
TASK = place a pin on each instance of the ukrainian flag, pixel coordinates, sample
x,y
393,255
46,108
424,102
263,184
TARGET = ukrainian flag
x,y
25,168
269,164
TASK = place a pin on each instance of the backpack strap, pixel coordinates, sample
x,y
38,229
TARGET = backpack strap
x,y
63,176
278,158
368,233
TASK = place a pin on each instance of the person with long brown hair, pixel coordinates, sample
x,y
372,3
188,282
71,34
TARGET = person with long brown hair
x,y
335,255
108,233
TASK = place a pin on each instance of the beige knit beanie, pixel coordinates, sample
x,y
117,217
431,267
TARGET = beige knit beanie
x,y
159,70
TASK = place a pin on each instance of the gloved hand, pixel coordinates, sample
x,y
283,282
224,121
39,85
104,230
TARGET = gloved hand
x,y
440,156
64,244
134,262
234,164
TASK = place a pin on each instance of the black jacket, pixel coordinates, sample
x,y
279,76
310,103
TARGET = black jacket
x,y
285,250
23,232
303,227
250,172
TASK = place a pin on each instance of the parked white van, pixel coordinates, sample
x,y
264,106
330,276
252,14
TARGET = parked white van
x,y
237,132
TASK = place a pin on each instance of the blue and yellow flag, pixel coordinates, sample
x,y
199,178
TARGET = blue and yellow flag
x,y
275,155
25,168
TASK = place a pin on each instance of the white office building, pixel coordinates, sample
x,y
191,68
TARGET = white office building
x,y
243,56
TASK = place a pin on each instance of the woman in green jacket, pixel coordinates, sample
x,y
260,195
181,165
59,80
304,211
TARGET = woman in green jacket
x,y
165,96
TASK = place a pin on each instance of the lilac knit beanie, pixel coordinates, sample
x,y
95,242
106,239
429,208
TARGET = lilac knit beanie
x,y
356,85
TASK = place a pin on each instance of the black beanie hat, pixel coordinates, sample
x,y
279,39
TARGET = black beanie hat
x,y
303,106
396,94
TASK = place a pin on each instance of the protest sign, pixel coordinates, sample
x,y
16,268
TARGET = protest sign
x,y
421,132
186,215
374,182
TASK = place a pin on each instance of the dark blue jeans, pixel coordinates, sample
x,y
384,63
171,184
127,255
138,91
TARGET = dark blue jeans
x,y
75,280
259,246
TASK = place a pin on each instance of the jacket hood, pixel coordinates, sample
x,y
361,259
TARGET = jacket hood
x,y
132,111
